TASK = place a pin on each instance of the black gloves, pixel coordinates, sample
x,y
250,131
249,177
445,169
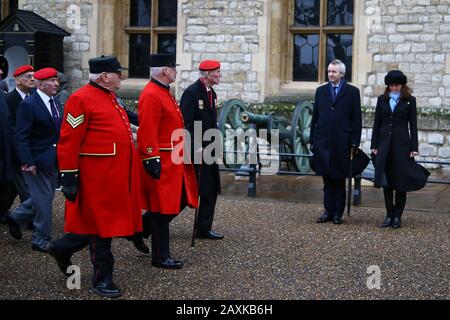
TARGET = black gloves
x,y
69,183
153,167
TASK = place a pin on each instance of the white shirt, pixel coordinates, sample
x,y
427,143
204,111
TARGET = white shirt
x,y
46,99
22,94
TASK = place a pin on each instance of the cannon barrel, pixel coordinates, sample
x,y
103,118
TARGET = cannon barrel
x,y
263,120
259,119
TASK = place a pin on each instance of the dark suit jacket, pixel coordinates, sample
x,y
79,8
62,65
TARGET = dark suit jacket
x,y
196,106
36,133
6,133
336,125
14,99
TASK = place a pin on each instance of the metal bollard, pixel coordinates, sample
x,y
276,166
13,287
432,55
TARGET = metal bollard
x,y
357,191
252,181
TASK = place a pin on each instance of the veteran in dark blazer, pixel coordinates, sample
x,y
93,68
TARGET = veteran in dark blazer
x,y
24,86
38,123
335,128
199,104
394,146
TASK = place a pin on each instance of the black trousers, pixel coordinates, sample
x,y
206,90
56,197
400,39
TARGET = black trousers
x,y
334,195
208,199
160,235
394,209
99,248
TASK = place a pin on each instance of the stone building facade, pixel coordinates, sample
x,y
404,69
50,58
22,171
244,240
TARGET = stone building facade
x,y
254,41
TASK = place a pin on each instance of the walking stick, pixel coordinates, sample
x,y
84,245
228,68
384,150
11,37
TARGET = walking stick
x,y
349,193
194,231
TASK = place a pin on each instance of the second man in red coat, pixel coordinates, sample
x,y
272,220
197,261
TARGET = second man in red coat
x,y
167,183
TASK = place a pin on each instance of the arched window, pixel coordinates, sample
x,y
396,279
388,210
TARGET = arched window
x,y
322,30
152,29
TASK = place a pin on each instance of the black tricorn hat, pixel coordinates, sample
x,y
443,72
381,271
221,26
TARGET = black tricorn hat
x,y
163,60
104,64
395,77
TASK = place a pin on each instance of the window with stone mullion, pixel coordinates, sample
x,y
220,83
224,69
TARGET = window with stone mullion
x,y
322,30
152,29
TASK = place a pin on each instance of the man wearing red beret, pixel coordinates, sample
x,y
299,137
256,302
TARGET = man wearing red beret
x,y
37,132
24,85
199,103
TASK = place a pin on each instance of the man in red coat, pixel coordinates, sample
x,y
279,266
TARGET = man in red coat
x,y
99,174
167,183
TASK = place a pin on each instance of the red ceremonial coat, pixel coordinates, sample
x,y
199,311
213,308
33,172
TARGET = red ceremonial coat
x,y
159,116
96,140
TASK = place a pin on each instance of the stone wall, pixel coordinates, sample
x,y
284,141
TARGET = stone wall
x,y
64,14
413,36
225,30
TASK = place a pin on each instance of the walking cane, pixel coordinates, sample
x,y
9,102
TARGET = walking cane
x,y
349,193
198,207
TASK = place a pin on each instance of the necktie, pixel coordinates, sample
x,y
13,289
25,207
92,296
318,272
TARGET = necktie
x,y
335,92
55,114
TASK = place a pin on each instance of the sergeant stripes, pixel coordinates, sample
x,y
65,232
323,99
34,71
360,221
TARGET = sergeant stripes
x,y
75,121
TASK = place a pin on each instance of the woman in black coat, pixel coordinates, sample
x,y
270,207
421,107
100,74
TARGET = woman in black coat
x,y
394,146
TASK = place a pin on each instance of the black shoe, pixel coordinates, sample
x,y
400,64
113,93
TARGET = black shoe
x,y
14,228
212,235
107,289
386,222
396,223
139,243
168,263
326,216
337,220
63,261
35,247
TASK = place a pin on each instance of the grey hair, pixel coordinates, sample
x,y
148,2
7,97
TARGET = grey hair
x,y
203,74
94,76
340,64
156,71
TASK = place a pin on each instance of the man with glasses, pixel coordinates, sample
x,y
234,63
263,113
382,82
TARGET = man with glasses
x,y
199,103
24,86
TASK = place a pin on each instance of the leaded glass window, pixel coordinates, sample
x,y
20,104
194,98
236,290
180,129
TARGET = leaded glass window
x,y
322,30
152,29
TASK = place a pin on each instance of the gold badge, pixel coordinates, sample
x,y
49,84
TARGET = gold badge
x,y
149,149
75,121
200,104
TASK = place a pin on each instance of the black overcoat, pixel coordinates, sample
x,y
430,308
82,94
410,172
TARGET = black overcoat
x,y
395,136
196,106
6,136
336,125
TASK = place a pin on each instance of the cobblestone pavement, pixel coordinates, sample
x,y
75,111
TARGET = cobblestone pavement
x,y
271,250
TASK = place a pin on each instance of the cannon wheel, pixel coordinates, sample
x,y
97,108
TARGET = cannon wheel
x,y
300,133
230,119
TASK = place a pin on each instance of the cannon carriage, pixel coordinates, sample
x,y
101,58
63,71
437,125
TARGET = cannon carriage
x,y
293,135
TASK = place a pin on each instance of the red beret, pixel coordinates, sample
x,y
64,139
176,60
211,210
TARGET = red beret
x,y
23,69
209,65
45,73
